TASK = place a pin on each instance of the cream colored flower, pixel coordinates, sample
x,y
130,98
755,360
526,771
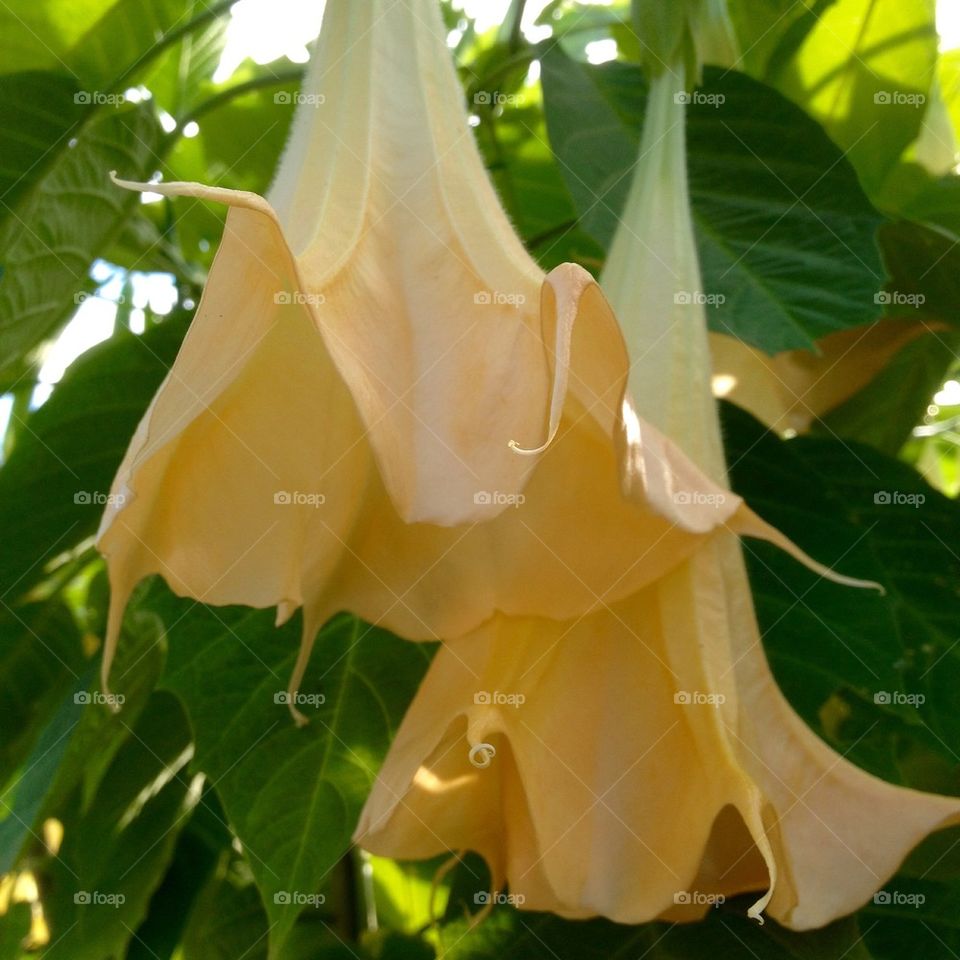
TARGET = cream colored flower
x,y
638,761
335,432
789,390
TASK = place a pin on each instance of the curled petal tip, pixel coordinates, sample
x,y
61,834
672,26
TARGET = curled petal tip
x,y
528,451
482,754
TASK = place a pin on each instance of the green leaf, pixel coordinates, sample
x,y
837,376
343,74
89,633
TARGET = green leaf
x,y
22,799
227,922
923,264
39,34
96,890
192,865
40,660
872,517
53,485
37,112
924,267
864,71
14,927
884,413
124,36
49,240
725,934
784,231
292,795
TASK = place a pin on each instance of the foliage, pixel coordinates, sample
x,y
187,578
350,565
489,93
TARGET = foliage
x,y
199,822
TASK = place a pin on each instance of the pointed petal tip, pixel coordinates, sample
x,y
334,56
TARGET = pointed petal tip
x,y
747,523
529,451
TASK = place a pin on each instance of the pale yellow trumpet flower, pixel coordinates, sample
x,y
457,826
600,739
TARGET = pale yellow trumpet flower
x,y
335,432
638,761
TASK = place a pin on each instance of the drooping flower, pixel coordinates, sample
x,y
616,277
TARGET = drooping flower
x,y
638,761
789,390
335,432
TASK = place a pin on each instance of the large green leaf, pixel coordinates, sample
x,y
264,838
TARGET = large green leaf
x,y
292,795
125,36
49,240
870,516
785,233
114,854
40,659
37,112
53,485
38,35
22,798
725,934
864,71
